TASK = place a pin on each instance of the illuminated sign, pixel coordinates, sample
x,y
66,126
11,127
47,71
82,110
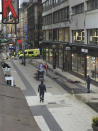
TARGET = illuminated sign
x,y
84,50
10,14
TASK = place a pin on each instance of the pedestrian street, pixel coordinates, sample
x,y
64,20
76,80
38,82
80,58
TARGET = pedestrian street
x,y
60,111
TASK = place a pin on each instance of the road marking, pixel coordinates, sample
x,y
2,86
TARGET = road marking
x,y
41,123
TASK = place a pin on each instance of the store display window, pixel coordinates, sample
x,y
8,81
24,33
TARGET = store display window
x,y
78,64
93,36
51,56
92,67
60,58
78,36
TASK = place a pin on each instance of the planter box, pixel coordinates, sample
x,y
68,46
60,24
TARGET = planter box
x,y
95,128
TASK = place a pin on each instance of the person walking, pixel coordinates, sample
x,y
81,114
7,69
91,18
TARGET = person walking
x,y
88,81
46,68
42,90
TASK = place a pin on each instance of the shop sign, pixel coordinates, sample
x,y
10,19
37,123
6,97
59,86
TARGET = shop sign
x,y
67,48
10,14
84,50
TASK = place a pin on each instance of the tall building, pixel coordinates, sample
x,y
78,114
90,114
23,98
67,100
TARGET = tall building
x,y
35,23
22,27
70,30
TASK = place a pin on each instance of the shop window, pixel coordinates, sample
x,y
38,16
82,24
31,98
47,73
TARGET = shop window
x,y
92,67
50,34
55,35
93,36
74,62
78,36
78,63
61,58
47,54
51,56
61,34
66,34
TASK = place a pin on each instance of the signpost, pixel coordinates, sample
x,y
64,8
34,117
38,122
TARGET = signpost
x,y
10,14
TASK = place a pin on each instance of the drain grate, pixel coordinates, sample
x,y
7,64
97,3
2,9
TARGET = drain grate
x,y
49,87
94,98
52,103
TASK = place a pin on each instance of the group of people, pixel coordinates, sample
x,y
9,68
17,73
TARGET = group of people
x,y
42,87
43,67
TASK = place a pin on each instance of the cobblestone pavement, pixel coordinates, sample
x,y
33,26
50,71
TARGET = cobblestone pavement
x,y
60,111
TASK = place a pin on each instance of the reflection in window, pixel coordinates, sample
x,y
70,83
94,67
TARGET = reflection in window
x,y
78,63
60,58
93,36
47,54
51,56
78,36
92,67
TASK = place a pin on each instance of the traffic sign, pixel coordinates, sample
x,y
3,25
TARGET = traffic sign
x,y
10,14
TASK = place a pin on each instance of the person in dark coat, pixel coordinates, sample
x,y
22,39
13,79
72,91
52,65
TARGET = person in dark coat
x,y
42,90
88,81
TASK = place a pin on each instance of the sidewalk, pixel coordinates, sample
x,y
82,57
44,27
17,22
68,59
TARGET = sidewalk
x,y
15,114
78,88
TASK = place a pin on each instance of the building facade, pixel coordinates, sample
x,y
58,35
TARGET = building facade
x,y
35,23
70,35
22,40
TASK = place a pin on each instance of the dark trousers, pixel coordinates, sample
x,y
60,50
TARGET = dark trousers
x,y
41,96
88,88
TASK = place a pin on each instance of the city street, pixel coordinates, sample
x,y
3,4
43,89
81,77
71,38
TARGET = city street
x,y
61,111
49,65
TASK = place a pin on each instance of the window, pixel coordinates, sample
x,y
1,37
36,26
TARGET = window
x,y
92,67
30,52
61,15
78,9
78,63
58,16
51,3
93,36
92,4
78,36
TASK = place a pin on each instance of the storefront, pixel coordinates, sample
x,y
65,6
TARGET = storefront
x,y
78,63
85,63
78,36
92,67
50,56
61,58
93,36
81,59
56,54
